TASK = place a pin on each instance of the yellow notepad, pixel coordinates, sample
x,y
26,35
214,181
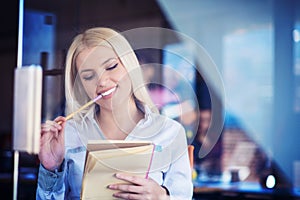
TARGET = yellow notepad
x,y
105,158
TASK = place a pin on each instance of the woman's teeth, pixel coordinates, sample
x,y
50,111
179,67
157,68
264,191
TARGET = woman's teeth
x,y
108,92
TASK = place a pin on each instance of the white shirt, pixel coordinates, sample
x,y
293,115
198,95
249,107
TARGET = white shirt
x,y
170,165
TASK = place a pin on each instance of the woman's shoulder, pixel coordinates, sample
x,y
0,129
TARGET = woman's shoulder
x,y
166,122
169,132
155,124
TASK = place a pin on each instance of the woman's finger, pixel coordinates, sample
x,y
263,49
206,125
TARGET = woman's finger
x,y
60,120
132,179
131,196
126,188
52,124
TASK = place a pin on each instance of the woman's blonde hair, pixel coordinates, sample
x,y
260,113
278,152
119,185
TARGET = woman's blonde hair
x,y
108,37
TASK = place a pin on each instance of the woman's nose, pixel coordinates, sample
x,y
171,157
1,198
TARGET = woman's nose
x,y
102,80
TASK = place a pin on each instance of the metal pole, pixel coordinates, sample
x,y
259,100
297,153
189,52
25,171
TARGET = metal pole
x,y
20,34
16,173
19,65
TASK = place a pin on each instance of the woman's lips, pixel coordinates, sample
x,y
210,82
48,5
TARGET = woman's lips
x,y
108,92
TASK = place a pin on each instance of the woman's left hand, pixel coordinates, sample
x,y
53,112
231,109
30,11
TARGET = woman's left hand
x,y
140,188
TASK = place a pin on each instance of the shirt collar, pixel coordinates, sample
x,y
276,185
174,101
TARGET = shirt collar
x,y
144,108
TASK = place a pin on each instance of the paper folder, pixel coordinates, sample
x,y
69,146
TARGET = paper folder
x,y
105,158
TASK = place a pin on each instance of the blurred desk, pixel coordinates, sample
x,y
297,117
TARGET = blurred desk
x,y
240,190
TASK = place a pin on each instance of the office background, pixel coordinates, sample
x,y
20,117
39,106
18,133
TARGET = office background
x,y
254,44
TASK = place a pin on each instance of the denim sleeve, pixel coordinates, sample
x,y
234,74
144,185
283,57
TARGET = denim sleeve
x,y
50,184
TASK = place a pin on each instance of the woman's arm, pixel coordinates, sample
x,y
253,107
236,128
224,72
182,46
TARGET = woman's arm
x,y
51,156
51,184
178,178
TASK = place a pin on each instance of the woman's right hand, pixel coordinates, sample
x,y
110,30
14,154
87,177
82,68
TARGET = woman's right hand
x,y
52,143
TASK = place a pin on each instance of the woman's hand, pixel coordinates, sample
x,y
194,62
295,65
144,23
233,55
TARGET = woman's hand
x,y
140,188
52,143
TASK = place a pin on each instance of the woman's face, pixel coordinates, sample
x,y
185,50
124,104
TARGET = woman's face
x,y
100,71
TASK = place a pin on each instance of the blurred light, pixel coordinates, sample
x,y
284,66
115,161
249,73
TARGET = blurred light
x,y
296,35
270,182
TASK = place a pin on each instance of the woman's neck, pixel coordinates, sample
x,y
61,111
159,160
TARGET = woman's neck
x,y
118,123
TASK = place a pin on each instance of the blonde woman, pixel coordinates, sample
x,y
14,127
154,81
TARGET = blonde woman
x,y
101,61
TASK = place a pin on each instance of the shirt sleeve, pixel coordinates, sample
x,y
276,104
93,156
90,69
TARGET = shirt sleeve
x,y
50,184
178,178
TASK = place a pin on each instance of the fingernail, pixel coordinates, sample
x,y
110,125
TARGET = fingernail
x,y
111,187
116,195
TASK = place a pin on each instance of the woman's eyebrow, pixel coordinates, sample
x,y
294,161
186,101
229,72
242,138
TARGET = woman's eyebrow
x,y
108,60
102,64
85,70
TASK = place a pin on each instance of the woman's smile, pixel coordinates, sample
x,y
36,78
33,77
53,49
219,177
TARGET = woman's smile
x,y
107,93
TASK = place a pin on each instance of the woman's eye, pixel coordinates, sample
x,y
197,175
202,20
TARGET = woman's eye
x,y
112,67
88,77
